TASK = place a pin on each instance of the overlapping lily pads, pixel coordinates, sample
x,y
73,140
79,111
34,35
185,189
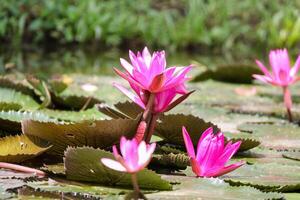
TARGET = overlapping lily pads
x,y
267,177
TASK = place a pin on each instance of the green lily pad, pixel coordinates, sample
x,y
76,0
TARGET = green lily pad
x,y
267,177
292,155
18,148
74,102
170,127
247,142
234,73
129,108
99,133
261,155
73,189
83,164
212,188
170,161
5,106
10,121
74,116
20,86
12,96
55,169
280,136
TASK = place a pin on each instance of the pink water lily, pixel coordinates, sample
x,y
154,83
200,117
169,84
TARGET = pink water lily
x,y
281,74
134,156
212,154
149,72
155,88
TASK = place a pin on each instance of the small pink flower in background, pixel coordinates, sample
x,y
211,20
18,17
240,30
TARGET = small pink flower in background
x,y
134,156
212,155
148,72
281,74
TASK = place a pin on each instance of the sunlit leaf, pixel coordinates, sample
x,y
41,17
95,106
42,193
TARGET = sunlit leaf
x,y
99,133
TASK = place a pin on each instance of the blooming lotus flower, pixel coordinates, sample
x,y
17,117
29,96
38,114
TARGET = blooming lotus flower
x,y
212,155
135,156
282,74
149,73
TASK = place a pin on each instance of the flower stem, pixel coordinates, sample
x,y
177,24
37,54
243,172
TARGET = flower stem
x,y
21,168
288,102
151,127
149,107
135,183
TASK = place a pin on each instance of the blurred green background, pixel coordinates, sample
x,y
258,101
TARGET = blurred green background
x,y
90,35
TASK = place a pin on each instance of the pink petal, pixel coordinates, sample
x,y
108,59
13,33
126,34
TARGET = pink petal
x,y
179,78
157,83
128,78
228,152
263,68
147,56
196,167
262,78
227,169
203,144
188,143
128,67
113,164
131,96
115,152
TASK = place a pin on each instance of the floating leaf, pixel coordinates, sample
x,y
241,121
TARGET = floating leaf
x,y
267,177
247,141
71,189
261,155
10,121
99,133
170,127
5,106
209,188
84,164
55,169
234,73
12,96
129,108
171,161
74,116
18,148
280,136
292,155
75,102
6,82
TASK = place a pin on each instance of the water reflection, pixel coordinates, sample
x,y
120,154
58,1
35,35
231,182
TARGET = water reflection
x,y
77,60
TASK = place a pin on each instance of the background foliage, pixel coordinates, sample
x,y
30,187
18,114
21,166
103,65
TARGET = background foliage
x,y
176,24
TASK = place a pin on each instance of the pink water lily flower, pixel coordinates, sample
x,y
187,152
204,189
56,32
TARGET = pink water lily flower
x,y
149,72
281,74
212,155
134,156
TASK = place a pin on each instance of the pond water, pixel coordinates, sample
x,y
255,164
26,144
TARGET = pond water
x,y
78,60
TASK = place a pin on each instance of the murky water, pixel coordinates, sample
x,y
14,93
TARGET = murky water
x,y
89,62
